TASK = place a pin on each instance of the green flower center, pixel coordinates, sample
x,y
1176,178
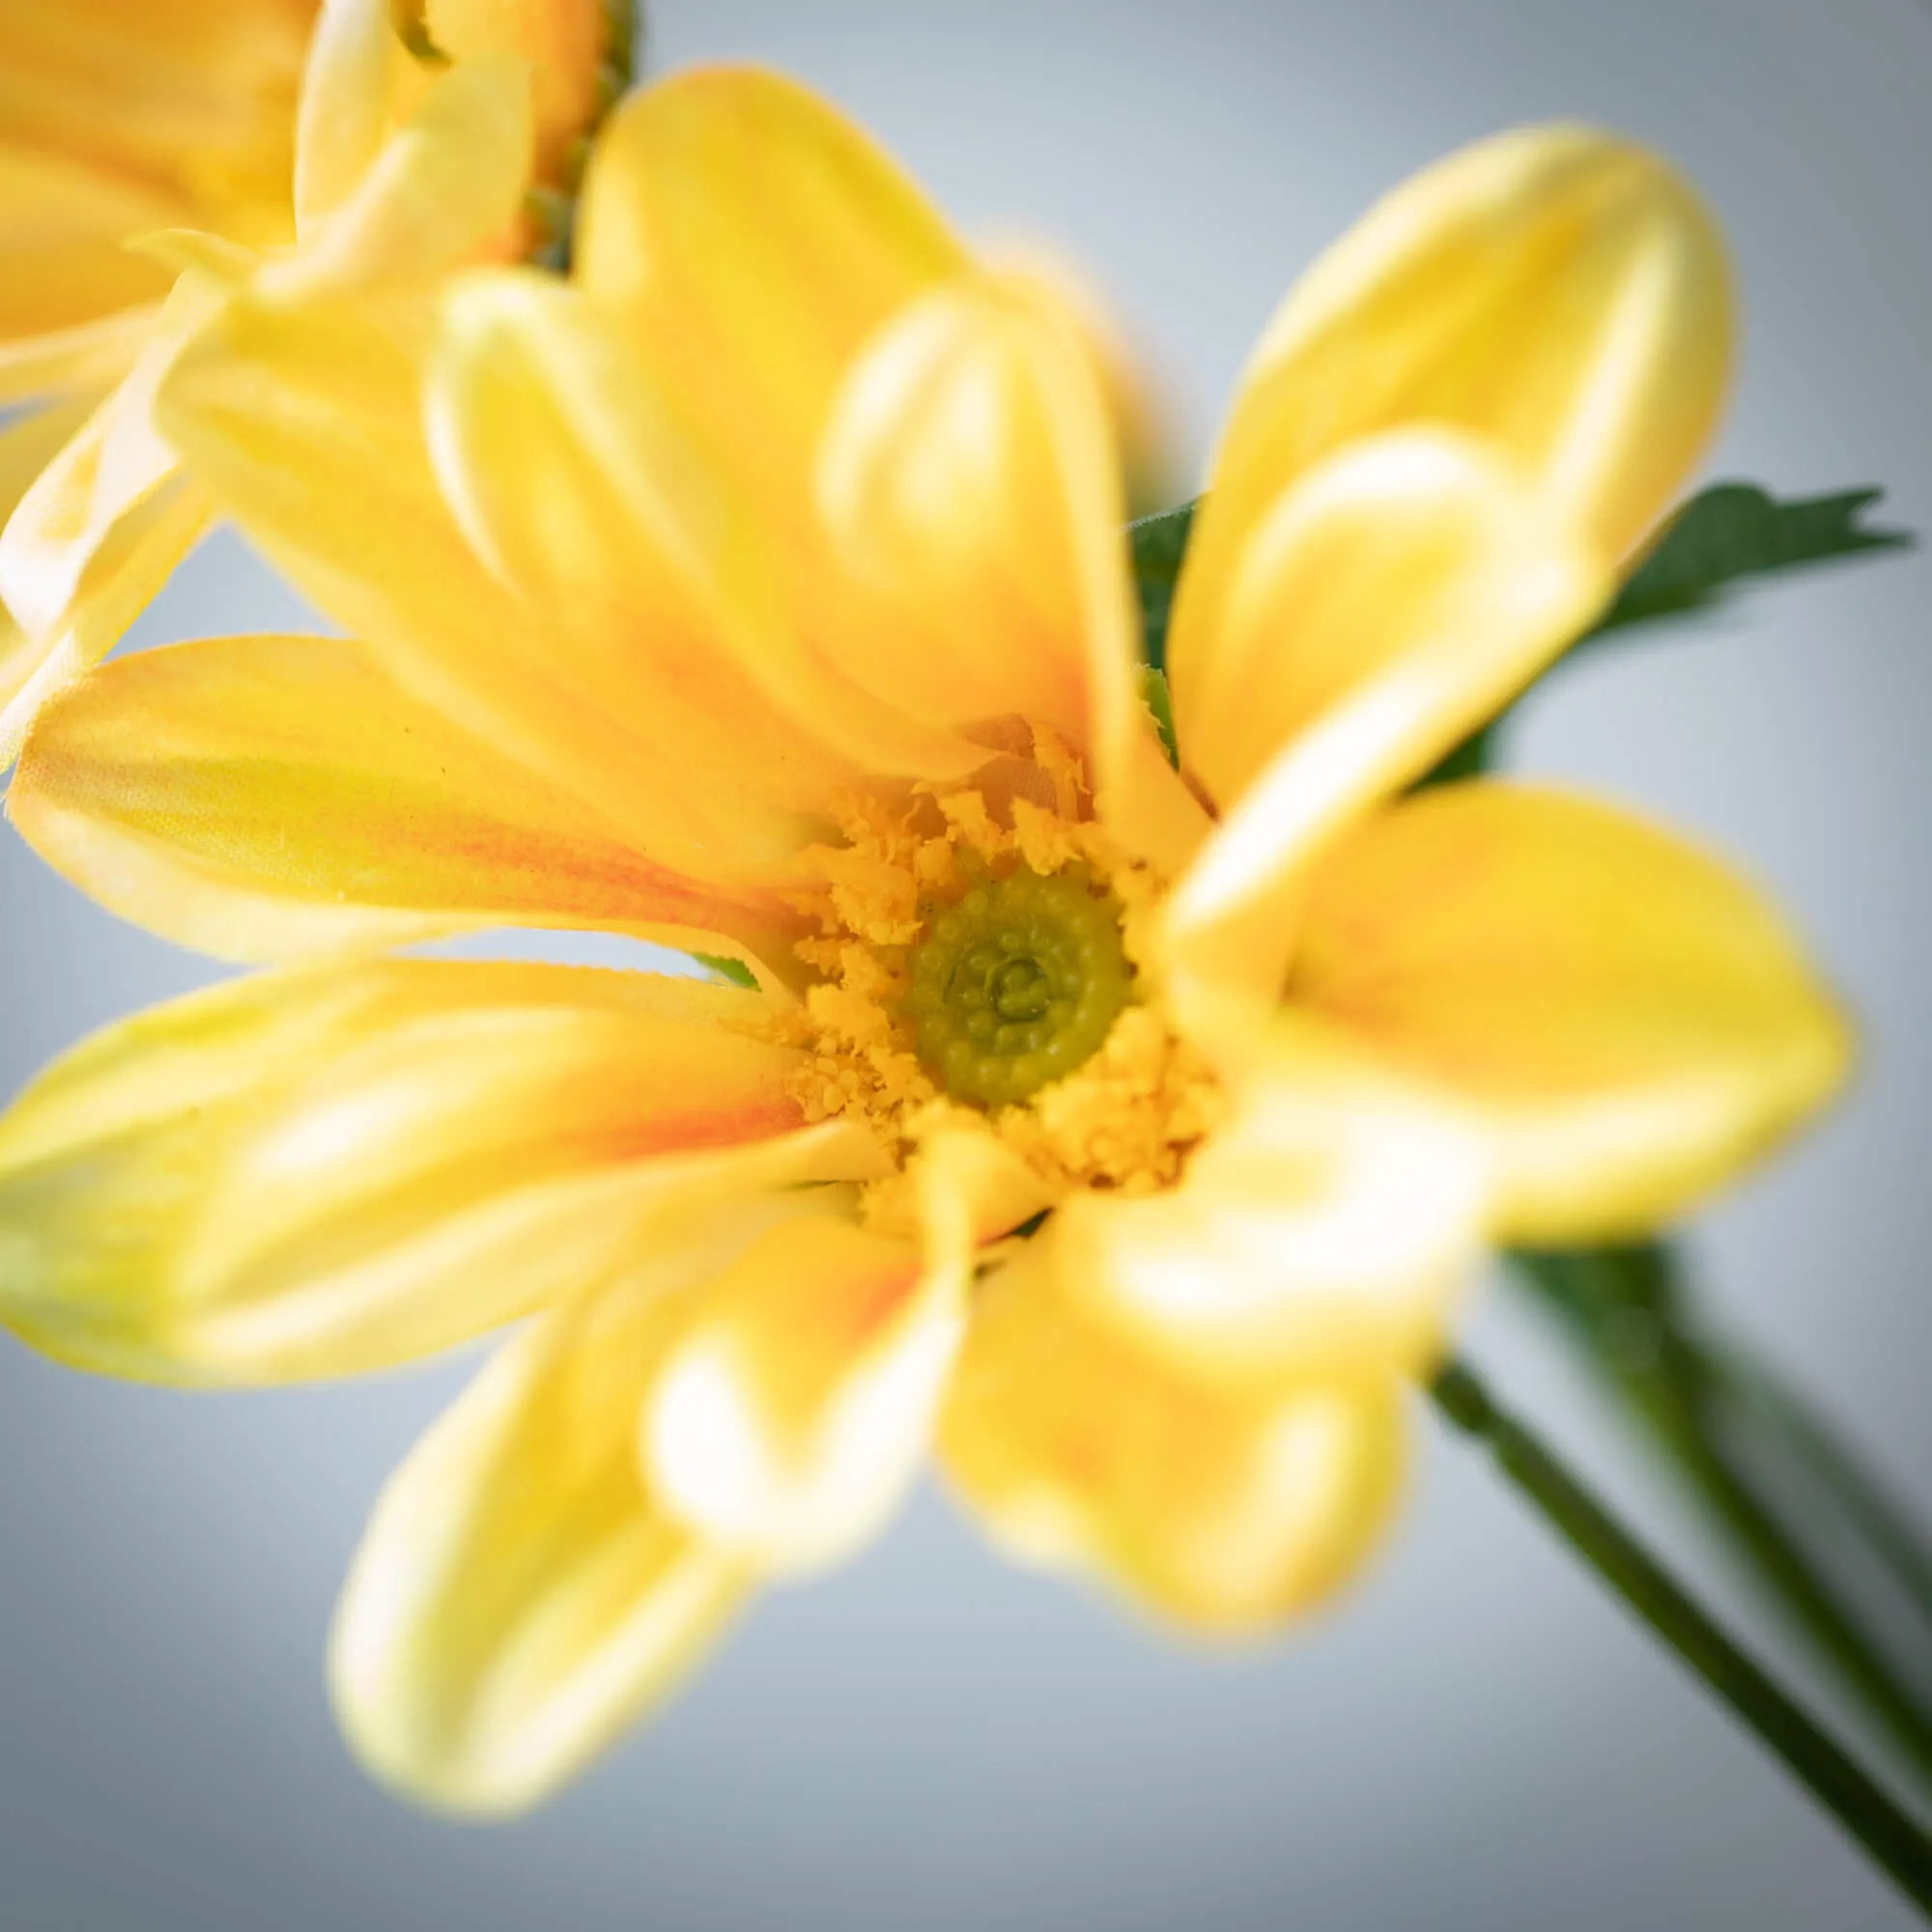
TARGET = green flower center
x,y
1017,984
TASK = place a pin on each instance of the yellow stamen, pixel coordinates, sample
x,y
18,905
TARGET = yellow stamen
x,y
980,949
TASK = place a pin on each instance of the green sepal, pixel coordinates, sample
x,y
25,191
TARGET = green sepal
x,y
1159,701
1157,544
733,969
1470,759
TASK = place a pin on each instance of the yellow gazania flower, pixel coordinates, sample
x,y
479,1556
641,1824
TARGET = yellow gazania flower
x,y
763,590
140,140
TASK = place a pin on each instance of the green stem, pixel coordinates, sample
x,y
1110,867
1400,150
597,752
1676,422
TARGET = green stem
x,y
1892,1838
1625,1305
1878,1515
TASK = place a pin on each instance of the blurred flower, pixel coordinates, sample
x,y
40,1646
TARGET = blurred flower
x,y
1132,1130
117,118
157,157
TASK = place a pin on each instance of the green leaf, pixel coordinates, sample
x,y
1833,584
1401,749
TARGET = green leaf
x,y
1159,543
1726,535
1160,700
1470,759
1733,532
733,969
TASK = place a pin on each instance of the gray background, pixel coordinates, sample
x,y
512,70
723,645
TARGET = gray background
x,y
1476,1738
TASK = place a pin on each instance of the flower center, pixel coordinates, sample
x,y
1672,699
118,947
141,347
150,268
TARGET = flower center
x,y
1017,984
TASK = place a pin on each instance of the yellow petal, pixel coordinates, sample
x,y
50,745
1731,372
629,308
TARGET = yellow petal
x,y
194,98
1412,543
82,360
322,1173
111,466
1082,1449
134,558
793,1414
970,486
27,446
569,45
747,242
519,1598
1558,292
561,456
446,188
788,1423
753,239
62,221
974,500
1394,599
1138,406
28,442
1324,1232
305,422
347,100
1628,1021
266,798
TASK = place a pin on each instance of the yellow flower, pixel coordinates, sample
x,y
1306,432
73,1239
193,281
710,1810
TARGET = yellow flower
x,y
762,591
153,156
117,118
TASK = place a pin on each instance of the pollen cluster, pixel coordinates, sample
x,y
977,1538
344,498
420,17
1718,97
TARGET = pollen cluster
x,y
981,956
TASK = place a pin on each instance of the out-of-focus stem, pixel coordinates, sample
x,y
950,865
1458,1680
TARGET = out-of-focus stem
x,y
1624,1306
1885,1831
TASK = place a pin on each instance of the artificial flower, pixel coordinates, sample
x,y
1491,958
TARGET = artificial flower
x,y
158,157
1128,1131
